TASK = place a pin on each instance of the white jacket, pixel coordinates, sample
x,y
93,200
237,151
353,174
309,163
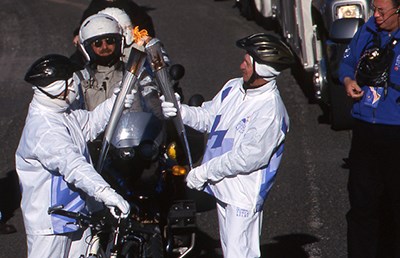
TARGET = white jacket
x,y
53,163
246,131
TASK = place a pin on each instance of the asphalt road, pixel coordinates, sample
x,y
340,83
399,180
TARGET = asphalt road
x,y
304,215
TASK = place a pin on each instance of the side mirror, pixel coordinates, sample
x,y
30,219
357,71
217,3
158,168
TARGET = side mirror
x,y
196,100
176,72
343,30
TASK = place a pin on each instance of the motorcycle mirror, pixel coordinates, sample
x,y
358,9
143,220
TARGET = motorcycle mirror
x,y
176,71
196,100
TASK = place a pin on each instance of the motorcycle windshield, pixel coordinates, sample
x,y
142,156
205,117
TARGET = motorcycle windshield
x,y
143,122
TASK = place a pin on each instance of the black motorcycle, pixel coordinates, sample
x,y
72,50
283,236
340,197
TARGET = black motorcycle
x,y
145,158
147,166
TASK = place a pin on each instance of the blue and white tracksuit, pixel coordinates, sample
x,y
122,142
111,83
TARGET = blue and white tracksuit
x,y
54,166
246,132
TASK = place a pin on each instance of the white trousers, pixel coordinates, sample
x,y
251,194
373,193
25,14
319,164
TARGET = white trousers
x,y
239,230
70,245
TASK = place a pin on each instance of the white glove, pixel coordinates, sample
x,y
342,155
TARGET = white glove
x,y
129,98
196,179
116,87
113,200
168,108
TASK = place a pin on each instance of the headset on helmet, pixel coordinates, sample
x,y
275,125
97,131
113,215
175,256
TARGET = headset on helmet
x,y
267,49
48,69
123,20
99,26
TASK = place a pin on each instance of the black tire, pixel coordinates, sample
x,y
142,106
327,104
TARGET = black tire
x,y
340,108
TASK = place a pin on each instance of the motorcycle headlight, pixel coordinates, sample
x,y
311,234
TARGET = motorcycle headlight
x,y
348,11
126,153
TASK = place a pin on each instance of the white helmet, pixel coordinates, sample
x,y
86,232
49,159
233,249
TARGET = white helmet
x,y
123,20
99,26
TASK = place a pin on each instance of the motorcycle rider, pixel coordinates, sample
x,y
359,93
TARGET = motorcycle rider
x,y
137,15
247,124
131,33
127,28
105,69
101,42
53,163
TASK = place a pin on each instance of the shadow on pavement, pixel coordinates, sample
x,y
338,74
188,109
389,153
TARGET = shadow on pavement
x,y
9,201
288,246
206,247
10,195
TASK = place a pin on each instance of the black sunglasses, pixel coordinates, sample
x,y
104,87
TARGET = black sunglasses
x,y
99,42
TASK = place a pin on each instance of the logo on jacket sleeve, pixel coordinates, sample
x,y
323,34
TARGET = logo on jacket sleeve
x,y
242,125
397,63
346,53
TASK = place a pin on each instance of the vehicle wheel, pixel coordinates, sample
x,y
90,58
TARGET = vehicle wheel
x,y
340,107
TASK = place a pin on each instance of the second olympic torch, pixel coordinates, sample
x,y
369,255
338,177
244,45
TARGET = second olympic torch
x,y
160,69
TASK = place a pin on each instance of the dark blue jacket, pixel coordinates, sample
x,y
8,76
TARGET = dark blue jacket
x,y
374,107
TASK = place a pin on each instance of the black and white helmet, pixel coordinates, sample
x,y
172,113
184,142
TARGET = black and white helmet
x,y
48,69
267,49
96,27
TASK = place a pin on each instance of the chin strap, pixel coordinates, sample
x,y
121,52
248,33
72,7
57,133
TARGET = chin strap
x,y
254,77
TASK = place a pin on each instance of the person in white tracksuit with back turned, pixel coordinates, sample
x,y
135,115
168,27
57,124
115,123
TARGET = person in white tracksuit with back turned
x,y
246,124
53,162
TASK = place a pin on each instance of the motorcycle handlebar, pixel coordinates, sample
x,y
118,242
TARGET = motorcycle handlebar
x,y
83,219
87,220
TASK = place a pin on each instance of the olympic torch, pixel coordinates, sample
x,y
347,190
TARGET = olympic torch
x,y
134,68
160,70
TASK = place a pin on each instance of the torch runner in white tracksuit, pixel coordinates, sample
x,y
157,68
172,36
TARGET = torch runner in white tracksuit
x,y
53,162
246,124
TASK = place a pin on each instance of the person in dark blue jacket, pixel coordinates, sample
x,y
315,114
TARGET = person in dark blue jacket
x,y
370,72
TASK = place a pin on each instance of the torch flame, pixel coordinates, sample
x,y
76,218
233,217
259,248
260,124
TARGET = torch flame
x,y
140,36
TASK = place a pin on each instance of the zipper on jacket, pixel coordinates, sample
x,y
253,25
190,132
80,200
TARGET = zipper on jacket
x,y
245,91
